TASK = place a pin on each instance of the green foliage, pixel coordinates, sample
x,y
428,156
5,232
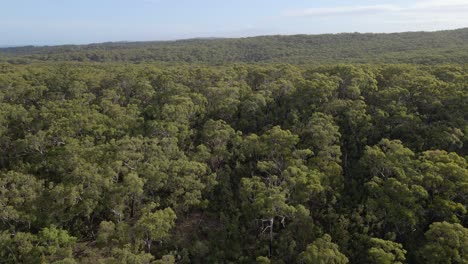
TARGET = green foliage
x,y
386,252
50,245
445,177
411,47
155,226
140,163
18,195
322,251
396,196
445,243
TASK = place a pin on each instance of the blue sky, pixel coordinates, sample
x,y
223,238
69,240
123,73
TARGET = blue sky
x,y
49,22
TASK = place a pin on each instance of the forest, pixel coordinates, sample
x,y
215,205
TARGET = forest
x,y
429,48
239,163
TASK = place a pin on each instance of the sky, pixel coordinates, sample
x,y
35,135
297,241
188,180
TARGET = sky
x,y
54,22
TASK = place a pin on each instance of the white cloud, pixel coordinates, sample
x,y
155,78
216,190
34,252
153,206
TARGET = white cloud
x,y
340,10
430,3
420,6
455,6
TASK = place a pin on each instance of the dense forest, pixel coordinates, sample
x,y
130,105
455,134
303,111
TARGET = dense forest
x,y
241,163
414,47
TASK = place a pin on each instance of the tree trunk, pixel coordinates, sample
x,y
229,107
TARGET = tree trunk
x,y
271,237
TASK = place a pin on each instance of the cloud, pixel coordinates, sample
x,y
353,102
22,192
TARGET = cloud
x,y
418,7
456,6
430,3
340,10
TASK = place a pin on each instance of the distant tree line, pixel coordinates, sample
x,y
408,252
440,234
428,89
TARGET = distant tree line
x,y
412,47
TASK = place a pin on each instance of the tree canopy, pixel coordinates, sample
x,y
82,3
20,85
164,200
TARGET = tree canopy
x,y
242,163
449,46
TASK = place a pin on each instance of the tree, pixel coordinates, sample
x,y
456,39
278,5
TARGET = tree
x,y
155,226
19,197
396,195
284,182
445,243
446,180
322,136
323,251
219,138
49,245
386,252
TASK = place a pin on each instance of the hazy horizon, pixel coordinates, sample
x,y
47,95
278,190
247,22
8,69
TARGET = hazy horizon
x,y
55,22
225,37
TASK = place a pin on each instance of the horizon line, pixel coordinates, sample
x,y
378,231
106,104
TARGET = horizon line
x,y
6,46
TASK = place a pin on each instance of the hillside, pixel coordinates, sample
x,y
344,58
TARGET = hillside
x,y
449,46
